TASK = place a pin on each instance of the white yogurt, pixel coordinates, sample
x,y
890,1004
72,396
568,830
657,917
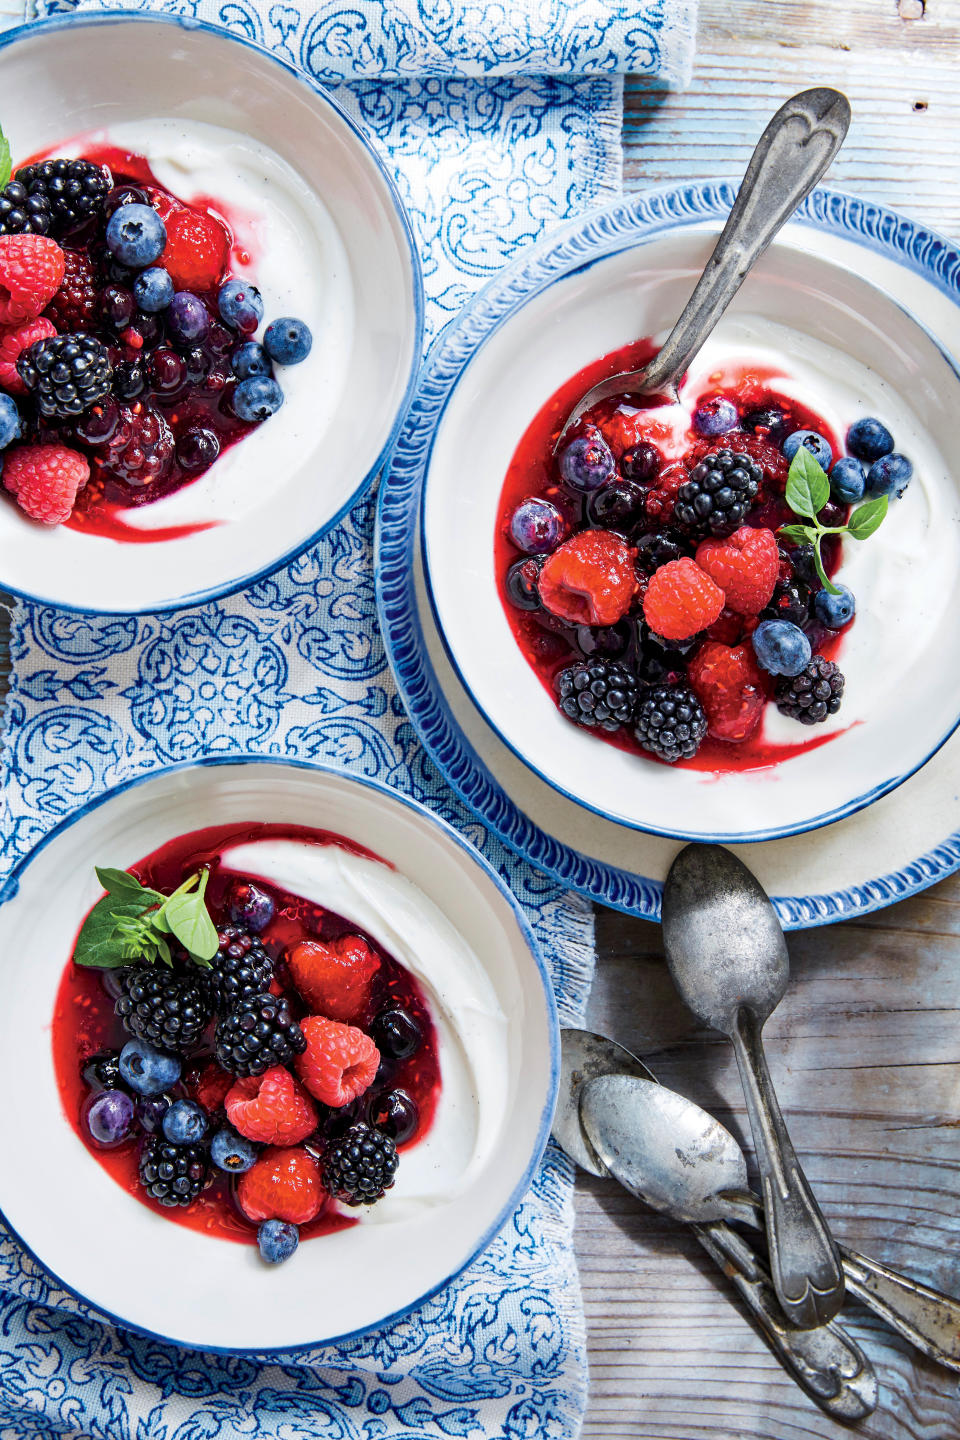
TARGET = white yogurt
x,y
470,1024
300,266
903,575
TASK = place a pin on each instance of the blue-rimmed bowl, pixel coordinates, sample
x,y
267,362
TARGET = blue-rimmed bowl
x,y
178,1283
312,182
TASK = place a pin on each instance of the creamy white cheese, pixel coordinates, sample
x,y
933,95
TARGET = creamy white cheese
x,y
470,1024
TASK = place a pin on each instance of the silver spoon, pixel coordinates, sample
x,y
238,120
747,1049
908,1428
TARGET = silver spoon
x,y
826,1364
680,1160
791,156
728,959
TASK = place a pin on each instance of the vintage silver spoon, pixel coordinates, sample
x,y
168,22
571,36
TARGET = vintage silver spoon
x,y
680,1160
791,156
826,1364
728,959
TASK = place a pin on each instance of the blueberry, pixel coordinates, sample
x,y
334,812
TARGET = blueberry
x,y
768,418
804,566
185,1123
197,448
240,305
118,305
257,399
250,359
108,1117
153,290
521,583
605,642
889,475
395,1113
868,439
167,371
129,381
288,341
847,479
250,906
146,1070
10,426
781,648
715,417
187,319
834,611
112,982
136,236
618,505
643,463
586,463
151,1110
232,1152
277,1241
536,526
396,1033
810,440
102,1070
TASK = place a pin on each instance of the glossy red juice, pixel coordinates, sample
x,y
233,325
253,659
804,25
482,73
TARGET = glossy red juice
x,y
84,1021
548,643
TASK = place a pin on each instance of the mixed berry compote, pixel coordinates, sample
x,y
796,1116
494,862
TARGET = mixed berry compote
x,y
646,575
261,1093
128,362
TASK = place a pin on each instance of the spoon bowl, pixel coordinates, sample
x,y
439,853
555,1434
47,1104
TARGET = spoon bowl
x,y
584,1055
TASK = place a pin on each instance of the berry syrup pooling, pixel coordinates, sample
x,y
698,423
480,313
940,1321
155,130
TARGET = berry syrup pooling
x,y
398,1103
652,513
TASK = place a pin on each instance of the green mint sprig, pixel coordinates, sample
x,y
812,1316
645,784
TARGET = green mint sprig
x,y
6,161
132,922
808,490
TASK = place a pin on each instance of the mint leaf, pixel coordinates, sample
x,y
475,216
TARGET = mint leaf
x,y
805,534
189,920
126,886
99,943
808,488
6,164
867,518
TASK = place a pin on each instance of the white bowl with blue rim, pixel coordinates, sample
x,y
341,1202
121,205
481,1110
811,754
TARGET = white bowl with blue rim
x,y
863,353
343,259
179,1284
873,856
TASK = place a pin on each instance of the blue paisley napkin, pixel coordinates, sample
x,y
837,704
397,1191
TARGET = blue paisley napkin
x,y
295,667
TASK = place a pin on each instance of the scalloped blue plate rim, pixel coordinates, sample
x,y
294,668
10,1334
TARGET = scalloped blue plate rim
x,y
572,246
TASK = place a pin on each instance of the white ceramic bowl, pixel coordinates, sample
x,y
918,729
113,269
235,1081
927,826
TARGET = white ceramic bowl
x,y
871,356
121,1257
343,258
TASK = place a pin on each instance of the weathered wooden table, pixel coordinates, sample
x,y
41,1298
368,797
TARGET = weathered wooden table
x,y
866,1047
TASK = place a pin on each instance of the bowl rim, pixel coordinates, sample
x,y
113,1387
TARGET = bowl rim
x,y
71,21
650,213
11,885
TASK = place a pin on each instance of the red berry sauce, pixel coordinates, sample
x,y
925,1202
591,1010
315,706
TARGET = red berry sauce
x,y
84,1022
549,644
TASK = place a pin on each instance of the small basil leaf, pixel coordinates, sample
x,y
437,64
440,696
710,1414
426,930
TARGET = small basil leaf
x,y
808,488
99,944
867,518
189,921
803,533
125,886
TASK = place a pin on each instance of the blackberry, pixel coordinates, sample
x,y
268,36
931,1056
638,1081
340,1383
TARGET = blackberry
x,y
67,374
600,694
74,189
720,491
240,968
659,549
360,1166
167,1010
173,1174
670,722
22,213
259,1032
813,694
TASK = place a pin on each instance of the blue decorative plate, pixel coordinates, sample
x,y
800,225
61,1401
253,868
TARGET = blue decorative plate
x,y
861,863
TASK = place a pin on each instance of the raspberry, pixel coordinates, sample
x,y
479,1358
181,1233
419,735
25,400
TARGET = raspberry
x,y
141,448
15,340
339,1063
590,579
728,627
622,430
76,304
335,980
45,479
31,269
197,250
745,566
210,1086
681,600
271,1108
662,498
282,1185
730,687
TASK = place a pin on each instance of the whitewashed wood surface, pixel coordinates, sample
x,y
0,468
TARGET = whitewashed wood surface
x,y
865,1049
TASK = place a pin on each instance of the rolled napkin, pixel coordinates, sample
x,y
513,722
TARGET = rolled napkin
x,y
485,166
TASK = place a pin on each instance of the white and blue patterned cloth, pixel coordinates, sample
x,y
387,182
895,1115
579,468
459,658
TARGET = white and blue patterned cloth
x,y
295,666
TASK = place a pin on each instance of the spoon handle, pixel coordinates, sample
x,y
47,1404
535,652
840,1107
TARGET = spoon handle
x,y
826,1364
804,1261
791,156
